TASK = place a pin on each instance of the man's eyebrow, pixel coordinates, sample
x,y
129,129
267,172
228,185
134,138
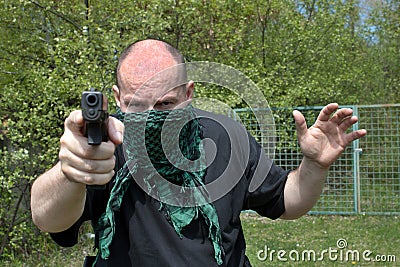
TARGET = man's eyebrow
x,y
167,98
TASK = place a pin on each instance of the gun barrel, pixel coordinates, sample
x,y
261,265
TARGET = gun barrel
x,y
95,114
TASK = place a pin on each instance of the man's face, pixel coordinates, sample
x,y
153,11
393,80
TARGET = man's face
x,y
152,84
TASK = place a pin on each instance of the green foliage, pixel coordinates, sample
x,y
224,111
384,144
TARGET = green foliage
x,y
297,52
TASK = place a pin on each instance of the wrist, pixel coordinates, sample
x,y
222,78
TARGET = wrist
x,y
314,165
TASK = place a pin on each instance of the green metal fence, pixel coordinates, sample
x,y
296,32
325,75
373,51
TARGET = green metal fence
x,y
365,179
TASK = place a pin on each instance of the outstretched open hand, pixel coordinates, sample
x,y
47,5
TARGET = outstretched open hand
x,y
324,142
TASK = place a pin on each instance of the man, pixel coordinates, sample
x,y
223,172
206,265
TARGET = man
x,y
136,220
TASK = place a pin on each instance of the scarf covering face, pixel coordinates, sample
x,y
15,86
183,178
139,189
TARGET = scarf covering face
x,y
144,150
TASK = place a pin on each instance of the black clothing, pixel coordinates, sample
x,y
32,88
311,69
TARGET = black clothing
x,y
144,237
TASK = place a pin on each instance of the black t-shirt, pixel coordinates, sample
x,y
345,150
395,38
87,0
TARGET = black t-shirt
x,y
144,237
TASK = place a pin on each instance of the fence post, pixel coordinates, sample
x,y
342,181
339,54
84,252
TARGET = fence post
x,y
356,167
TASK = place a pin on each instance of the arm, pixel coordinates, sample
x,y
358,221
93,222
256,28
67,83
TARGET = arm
x,y
321,145
58,196
56,202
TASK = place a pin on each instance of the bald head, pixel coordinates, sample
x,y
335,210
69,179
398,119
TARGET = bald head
x,y
145,58
150,74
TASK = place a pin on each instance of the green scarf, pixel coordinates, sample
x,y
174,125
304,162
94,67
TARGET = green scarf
x,y
144,152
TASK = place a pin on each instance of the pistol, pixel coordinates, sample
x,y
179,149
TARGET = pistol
x,y
95,114
94,107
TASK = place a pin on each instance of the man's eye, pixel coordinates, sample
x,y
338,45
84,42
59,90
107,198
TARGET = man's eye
x,y
164,105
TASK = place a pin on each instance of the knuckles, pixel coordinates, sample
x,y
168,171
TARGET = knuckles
x,y
87,179
85,163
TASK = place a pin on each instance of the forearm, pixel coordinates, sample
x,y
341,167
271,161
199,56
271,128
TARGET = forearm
x,y
303,188
56,202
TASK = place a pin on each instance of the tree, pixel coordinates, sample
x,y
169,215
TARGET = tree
x,y
298,53
381,29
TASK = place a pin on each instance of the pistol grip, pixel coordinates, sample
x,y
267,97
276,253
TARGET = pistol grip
x,y
96,133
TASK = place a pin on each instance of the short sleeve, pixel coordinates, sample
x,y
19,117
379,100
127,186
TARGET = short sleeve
x,y
96,201
266,181
69,237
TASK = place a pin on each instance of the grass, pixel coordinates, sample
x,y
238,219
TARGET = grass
x,y
378,234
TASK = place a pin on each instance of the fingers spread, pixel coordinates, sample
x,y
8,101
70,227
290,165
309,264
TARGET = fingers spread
x,y
347,122
341,114
356,135
301,126
327,111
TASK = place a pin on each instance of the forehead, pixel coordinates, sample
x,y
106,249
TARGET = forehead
x,y
150,72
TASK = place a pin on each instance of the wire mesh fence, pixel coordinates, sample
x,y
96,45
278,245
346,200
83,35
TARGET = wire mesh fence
x,y
379,167
365,179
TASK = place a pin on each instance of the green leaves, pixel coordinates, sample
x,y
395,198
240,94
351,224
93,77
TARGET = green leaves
x,y
297,52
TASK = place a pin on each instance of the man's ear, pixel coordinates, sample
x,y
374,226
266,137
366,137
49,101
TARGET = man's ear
x,y
189,90
117,95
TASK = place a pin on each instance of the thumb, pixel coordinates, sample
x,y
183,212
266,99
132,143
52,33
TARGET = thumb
x,y
115,130
74,122
300,122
